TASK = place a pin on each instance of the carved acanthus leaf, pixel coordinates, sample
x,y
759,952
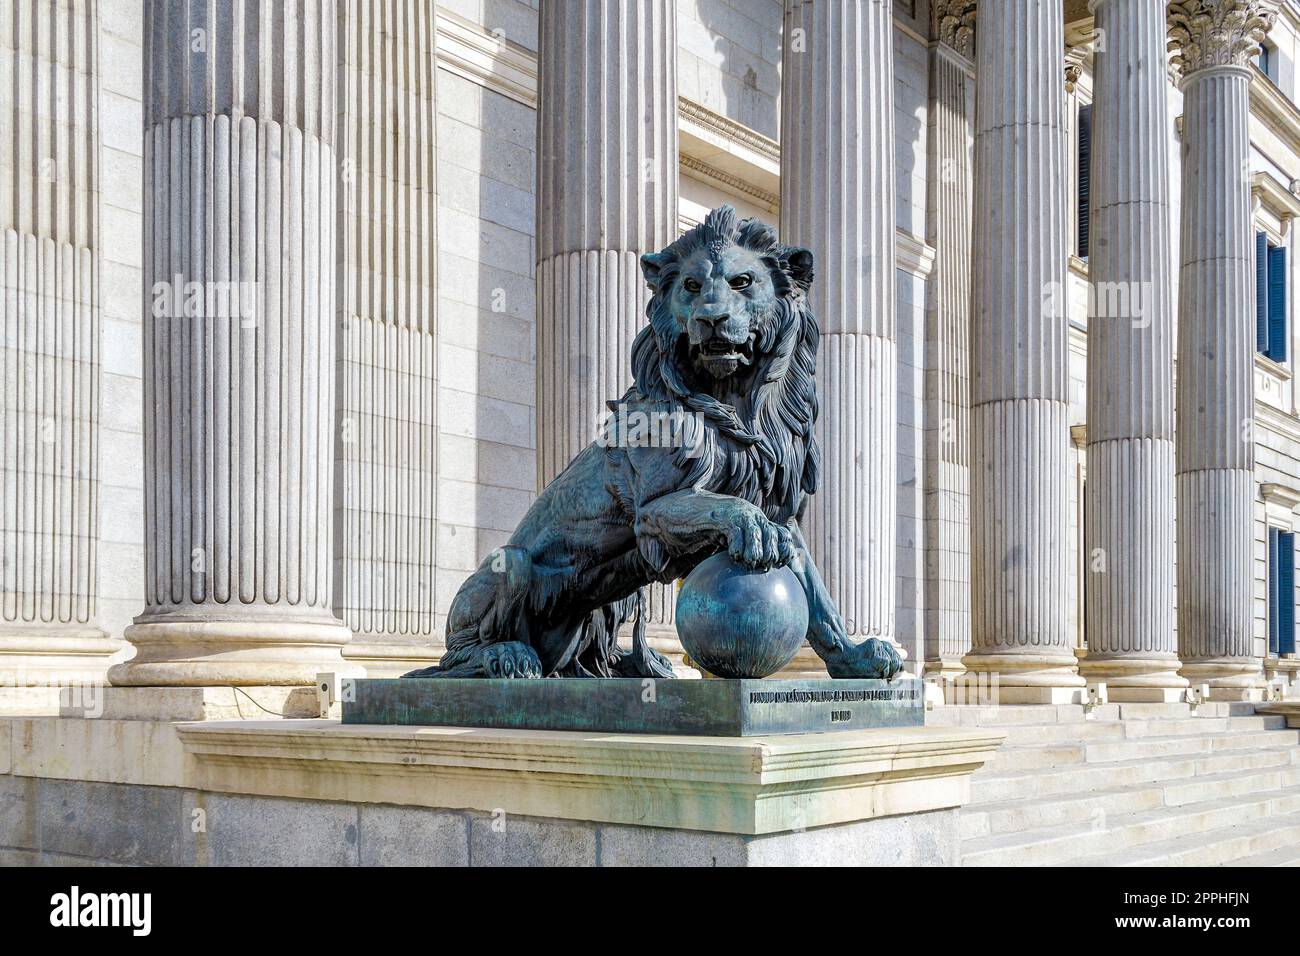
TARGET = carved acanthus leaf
x,y
953,22
1208,33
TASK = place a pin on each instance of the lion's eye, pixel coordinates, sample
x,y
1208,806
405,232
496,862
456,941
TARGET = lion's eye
x,y
743,281
692,285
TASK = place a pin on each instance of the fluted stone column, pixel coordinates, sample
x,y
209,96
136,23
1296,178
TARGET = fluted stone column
x,y
386,401
49,344
1129,510
1213,41
239,375
947,393
1020,628
606,192
837,199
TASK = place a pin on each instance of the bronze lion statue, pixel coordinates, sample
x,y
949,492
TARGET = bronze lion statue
x,y
728,357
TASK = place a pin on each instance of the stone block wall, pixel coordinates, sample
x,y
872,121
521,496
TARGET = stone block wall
x,y
729,59
911,98
50,822
486,250
121,158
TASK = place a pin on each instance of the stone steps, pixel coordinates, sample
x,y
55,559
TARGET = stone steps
x,y
1041,715
1134,784
993,784
1023,757
1031,735
1288,855
1160,747
1009,816
1111,838
1216,847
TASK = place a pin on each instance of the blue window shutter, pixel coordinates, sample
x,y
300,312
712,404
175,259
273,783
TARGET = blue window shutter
x,y
1085,176
1274,589
1286,593
1277,303
1261,293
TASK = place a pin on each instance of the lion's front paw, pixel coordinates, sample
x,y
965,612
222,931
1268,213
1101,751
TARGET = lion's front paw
x,y
756,542
511,659
507,659
873,658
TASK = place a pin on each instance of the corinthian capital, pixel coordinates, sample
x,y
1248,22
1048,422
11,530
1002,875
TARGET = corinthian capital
x,y
953,22
1206,33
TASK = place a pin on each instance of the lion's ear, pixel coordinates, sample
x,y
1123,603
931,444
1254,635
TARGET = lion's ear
x,y
652,264
801,265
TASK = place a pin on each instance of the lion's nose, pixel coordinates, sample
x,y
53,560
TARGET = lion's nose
x,y
713,321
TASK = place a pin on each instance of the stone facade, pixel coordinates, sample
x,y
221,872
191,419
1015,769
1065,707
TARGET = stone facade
x,y
105,824
451,309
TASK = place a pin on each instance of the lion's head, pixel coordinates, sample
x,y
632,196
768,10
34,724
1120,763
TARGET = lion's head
x,y
716,292
731,337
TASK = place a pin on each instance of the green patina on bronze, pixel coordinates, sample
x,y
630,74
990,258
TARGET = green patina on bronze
x,y
729,354
708,708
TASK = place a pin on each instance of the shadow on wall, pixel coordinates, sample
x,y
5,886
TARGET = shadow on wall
x,y
910,131
486,328
746,53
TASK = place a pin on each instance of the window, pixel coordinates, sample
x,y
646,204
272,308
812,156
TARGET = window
x,y
1085,176
1281,592
1270,299
1266,60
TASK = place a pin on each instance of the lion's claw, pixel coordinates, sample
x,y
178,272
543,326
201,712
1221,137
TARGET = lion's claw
x,y
758,543
507,659
873,658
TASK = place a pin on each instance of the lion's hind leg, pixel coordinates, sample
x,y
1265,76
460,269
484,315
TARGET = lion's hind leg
x,y
488,626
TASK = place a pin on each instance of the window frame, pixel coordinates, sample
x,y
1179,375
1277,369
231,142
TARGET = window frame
x,y
1272,299
1281,621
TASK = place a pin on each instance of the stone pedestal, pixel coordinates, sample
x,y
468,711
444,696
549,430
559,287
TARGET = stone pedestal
x,y
837,199
1214,40
1128,562
704,708
311,792
50,346
239,347
1020,627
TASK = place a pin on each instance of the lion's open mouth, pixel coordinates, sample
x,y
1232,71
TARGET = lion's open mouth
x,y
718,350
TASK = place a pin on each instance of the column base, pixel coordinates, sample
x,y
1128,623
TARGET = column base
x,y
1230,679
944,668
1027,678
1136,680
386,659
217,653
49,656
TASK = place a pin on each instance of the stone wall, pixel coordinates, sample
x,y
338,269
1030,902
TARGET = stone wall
x,y
49,822
729,59
486,250
911,97
121,548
